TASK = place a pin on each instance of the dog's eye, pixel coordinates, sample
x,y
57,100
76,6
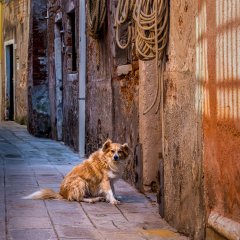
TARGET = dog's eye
x,y
112,151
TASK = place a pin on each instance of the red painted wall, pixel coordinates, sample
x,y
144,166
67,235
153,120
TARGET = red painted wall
x,y
218,42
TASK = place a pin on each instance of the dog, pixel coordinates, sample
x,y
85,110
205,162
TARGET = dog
x,y
91,181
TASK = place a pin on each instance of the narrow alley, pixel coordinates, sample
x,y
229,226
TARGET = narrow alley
x,y
160,77
29,163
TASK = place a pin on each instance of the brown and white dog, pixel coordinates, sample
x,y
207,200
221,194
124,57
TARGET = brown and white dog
x,y
92,180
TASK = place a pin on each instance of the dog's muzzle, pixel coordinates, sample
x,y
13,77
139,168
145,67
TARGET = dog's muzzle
x,y
116,157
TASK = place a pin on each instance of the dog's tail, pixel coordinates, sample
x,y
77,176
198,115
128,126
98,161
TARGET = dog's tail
x,y
44,194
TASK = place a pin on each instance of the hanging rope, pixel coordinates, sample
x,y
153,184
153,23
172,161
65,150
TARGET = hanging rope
x,y
151,27
151,32
151,20
96,10
123,16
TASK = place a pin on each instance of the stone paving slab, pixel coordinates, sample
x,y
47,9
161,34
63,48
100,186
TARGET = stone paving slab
x,y
32,234
28,163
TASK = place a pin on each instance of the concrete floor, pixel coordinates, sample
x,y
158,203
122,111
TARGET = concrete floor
x,y
28,163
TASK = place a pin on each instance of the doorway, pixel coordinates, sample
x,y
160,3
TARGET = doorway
x,y
58,46
9,106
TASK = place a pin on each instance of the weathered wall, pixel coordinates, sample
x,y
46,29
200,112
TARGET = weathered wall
x,y
116,100
69,76
99,90
112,93
99,102
38,92
183,178
53,9
149,124
219,76
16,27
125,118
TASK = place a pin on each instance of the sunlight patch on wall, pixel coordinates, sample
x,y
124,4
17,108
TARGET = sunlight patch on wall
x,y
202,105
227,11
228,59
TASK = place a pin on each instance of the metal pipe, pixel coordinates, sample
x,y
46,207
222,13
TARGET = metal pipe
x,y
82,76
225,226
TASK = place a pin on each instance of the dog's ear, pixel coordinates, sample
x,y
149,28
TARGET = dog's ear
x,y
106,145
125,149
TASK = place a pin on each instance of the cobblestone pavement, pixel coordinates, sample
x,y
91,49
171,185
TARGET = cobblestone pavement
x,y
28,163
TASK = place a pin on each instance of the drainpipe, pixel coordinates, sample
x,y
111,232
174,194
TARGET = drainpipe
x,y
82,76
1,30
224,226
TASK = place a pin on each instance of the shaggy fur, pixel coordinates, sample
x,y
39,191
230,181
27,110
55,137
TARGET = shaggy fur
x,y
92,180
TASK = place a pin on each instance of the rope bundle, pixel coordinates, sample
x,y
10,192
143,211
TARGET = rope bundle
x,y
151,20
96,16
123,16
96,10
151,33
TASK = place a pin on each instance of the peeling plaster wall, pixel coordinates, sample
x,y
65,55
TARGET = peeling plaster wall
x,y
183,177
16,27
125,117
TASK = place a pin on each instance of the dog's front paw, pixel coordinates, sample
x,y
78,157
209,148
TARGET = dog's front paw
x,y
115,202
102,199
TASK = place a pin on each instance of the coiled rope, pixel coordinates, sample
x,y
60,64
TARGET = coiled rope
x,y
151,33
124,16
96,14
150,18
96,10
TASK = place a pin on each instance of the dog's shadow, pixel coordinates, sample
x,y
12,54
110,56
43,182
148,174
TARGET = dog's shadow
x,y
131,199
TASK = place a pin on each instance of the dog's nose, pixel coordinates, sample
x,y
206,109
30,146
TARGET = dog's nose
x,y
116,157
